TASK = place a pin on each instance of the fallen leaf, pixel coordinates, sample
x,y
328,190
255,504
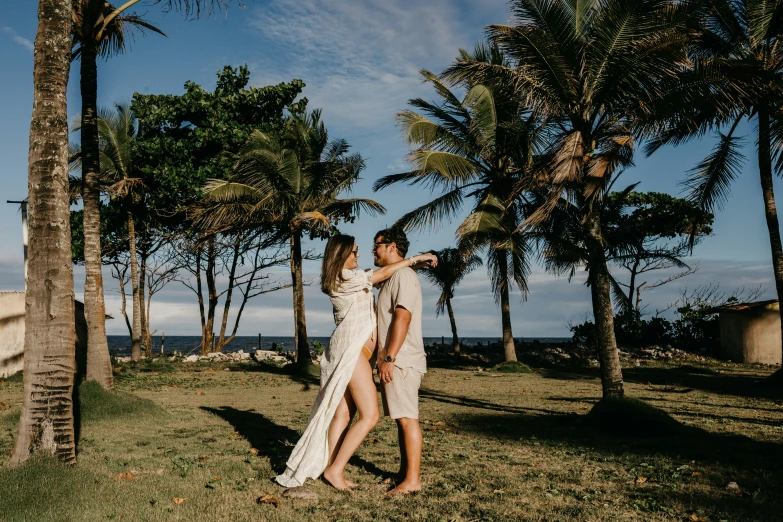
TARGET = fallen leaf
x,y
217,479
269,499
373,440
235,435
696,518
178,500
696,474
439,423
200,392
253,451
641,480
203,459
125,476
499,491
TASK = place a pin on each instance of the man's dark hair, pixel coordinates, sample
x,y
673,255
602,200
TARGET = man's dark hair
x,y
397,236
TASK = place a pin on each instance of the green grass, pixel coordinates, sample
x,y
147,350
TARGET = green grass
x,y
97,404
503,447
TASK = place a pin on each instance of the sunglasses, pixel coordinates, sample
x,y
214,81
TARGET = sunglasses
x,y
355,252
379,243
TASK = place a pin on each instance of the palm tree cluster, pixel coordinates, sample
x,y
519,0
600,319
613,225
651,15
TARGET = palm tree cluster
x,y
551,110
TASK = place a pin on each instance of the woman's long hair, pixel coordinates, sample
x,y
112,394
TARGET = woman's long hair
x,y
338,248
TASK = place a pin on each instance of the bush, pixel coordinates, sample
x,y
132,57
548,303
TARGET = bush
x,y
96,404
512,367
318,348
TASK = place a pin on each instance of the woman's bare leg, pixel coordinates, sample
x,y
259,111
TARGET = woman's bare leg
x,y
362,389
338,428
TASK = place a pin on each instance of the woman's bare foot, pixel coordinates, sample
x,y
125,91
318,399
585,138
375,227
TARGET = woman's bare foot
x,y
337,481
404,488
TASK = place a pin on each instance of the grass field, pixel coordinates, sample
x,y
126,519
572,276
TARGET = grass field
x,y
498,446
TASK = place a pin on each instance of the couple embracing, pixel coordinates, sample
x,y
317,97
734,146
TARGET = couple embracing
x,y
347,384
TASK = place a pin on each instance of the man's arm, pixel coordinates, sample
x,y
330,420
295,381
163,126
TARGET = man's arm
x,y
398,331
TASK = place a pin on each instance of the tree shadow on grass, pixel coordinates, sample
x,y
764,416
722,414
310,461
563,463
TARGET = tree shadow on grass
x,y
756,465
683,379
271,439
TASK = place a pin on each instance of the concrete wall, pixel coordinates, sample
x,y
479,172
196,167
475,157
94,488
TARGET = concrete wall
x,y
12,332
751,335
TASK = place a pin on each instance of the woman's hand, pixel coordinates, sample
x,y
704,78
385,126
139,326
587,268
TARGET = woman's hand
x,y
422,260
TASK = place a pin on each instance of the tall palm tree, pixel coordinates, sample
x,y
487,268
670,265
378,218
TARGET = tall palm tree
x,y
736,67
99,29
46,423
588,68
117,129
290,181
474,149
453,266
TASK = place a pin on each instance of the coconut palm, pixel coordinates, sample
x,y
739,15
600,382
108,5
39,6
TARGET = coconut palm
x,y
452,267
474,148
46,424
735,75
588,68
290,181
117,129
99,29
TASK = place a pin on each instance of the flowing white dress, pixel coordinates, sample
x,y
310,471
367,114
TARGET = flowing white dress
x,y
354,315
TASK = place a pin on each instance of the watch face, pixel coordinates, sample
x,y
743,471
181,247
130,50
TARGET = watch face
x,y
388,358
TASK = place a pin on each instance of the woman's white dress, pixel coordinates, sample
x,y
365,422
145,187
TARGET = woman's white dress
x,y
354,315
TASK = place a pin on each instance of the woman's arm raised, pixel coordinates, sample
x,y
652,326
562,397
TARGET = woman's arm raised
x,y
385,272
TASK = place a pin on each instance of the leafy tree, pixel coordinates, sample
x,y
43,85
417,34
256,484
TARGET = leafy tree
x,y
186,139
589,69
46,424
736,64
453,266
474,149
290,181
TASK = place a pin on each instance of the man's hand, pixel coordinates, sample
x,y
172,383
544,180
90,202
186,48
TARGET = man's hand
x,y
385,372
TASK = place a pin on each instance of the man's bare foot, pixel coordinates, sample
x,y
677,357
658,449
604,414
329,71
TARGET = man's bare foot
x,y
337,481
404,488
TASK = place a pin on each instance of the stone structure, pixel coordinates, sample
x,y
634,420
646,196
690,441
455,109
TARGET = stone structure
x,y
750,332
12,332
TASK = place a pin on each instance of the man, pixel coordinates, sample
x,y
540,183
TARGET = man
x,y
401,357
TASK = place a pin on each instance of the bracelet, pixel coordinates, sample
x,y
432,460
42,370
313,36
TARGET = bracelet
x,y
411,261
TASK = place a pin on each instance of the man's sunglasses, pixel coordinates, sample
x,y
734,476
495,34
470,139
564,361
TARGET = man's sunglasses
x,y
379,243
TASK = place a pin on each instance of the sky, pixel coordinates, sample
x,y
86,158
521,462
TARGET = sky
x,y
360,61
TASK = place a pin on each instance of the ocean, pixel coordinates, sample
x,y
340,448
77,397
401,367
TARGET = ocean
x,y
121,344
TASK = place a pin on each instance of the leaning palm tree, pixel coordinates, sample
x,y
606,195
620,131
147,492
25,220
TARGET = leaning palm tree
x,y
100,29
474,149
736,65
46,423
453,266
290,182
588,68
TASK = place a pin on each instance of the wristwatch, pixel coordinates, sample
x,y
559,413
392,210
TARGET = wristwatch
x,y
389,359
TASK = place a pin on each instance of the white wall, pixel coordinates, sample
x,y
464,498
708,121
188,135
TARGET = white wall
x,y
11,333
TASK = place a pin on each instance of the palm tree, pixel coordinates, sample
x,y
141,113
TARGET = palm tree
x,y
99,29
587,68
290,182
736,65
117,129
452,267
46,423
474,148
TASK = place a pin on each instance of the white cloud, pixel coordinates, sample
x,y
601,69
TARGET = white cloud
x,y
24,42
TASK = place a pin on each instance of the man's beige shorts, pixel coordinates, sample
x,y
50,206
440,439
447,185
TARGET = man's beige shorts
x,y
401,396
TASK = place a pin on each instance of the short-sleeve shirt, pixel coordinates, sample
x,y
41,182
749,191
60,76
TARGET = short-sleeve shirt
x,y
402,289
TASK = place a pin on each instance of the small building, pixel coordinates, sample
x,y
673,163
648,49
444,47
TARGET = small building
x,y
750,332
12,332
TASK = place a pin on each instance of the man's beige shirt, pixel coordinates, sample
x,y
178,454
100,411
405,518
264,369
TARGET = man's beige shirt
x,y
402,289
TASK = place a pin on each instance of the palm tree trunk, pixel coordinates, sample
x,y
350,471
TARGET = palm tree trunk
x,y
212,297
770,210
46,424
509,350
143,321
608,355
135,336
302,352
229,294
454,337
98,360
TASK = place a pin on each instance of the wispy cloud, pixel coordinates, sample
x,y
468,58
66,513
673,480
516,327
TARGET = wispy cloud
x,y
16,37
360,59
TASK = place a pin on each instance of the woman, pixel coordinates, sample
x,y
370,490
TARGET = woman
x,y
327,442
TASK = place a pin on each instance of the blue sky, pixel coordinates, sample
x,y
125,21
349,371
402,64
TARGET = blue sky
x,y
360,61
